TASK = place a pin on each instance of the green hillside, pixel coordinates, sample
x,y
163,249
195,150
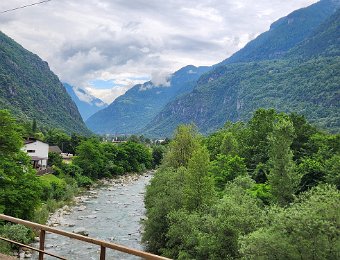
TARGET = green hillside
x,y
29,89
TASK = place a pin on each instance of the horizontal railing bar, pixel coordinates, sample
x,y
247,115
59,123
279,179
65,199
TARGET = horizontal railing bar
x,y
117,247
32,248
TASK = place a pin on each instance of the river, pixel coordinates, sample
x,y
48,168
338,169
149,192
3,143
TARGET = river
x,y
111,212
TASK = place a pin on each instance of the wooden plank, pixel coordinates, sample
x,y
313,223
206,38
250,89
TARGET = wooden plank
x,y
42,244
103,243
102,253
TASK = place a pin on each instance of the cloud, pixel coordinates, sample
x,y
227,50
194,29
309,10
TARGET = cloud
x,y
125,40
108,95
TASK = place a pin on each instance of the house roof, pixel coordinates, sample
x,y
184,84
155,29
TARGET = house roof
x,y
54,149
30,140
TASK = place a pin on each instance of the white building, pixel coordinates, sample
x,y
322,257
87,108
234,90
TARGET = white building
x,y
38,151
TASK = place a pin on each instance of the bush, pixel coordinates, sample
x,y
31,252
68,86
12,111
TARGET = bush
x,y
83,181
53,187
18,233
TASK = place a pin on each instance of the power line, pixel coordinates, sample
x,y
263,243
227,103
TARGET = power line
x,y
24,6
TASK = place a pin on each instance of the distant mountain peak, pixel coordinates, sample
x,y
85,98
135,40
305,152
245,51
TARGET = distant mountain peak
x,y
87,104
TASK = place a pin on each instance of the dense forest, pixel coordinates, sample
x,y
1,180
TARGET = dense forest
x,y
24,194
265,189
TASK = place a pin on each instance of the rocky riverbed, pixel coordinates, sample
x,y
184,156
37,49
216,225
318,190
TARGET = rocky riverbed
x,y
112,211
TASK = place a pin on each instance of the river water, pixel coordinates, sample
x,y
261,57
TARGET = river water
x,y
113,213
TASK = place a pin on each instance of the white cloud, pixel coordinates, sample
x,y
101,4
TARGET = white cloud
x,y
108,95
125,40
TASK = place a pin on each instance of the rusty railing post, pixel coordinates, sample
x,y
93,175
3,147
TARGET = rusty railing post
x,y
102,252
42,244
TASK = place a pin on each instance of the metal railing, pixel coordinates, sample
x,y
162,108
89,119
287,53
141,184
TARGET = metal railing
x,y
103,244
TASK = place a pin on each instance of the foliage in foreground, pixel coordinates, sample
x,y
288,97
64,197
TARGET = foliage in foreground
x,y
259,190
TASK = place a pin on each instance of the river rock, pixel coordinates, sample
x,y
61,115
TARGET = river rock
x,y
81,231
81,208
22,255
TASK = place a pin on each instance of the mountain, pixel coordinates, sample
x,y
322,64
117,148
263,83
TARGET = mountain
x,y
304,79
86,103
29,89
131,112
285,33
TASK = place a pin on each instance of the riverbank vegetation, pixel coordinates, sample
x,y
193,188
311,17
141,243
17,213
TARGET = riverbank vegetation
x,y
265,189
25,195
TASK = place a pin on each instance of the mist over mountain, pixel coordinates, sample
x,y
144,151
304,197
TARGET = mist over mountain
x,y
87,104
129,113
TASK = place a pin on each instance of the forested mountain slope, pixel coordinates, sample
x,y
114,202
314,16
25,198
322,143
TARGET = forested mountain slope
x,y
131,112
31,90
302,80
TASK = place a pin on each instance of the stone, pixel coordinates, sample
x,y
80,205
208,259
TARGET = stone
x,y
22,255
81,231
81,208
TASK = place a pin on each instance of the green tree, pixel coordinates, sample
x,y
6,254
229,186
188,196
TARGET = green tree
x,y
54,159
10,139
158,152
332,173
163,195
17,178
186,140
34,126
229,145
260,126
283,178
198,184
226,168
90,158
308,229
311,172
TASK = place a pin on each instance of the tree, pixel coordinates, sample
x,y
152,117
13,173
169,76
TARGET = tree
x,y
308,229
198,184
54,159
260,126
34,126
163,195
185,142
90,158
18,180
312,173
229,145
10,138
157,154
226,168
282,178
332,173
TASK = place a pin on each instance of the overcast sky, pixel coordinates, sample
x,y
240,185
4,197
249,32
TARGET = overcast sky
x,y
108,46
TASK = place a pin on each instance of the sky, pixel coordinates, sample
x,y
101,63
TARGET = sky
x,y
108,46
